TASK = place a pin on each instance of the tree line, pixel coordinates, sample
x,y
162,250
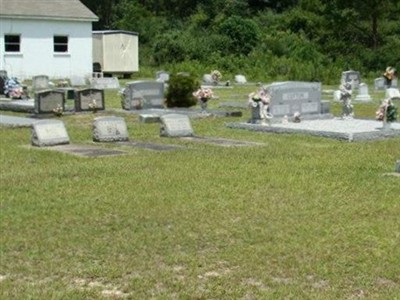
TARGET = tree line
x,y
289,39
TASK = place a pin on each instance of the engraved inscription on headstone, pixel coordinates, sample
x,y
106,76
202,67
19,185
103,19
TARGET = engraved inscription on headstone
x,y
48,100
175,125
49,133
89,100
110,129
143,94
290,97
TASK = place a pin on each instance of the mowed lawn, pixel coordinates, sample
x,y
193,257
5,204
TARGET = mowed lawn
x,y
298,217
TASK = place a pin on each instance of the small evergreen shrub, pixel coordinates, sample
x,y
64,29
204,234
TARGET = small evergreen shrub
x,y
180,91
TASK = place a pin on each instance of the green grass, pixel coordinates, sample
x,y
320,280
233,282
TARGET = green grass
x,y
299,218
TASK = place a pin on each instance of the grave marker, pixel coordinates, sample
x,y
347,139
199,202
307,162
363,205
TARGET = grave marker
x,y
175,125
353,77
49,133
104,83
110,129
40,82
363,94
48,100
89,100
294,96
392,93
240,79
143,94
379,83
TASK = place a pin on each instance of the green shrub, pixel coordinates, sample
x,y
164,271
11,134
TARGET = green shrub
x,y
180,91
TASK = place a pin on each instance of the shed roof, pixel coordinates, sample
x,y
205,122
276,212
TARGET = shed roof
x,y
46,9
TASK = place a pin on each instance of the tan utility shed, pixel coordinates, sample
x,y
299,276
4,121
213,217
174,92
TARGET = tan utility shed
x,y
116,51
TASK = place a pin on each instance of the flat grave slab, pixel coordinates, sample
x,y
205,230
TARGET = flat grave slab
x,y
349,130
190,112
13,121
27,106
86,150
151,146
221,141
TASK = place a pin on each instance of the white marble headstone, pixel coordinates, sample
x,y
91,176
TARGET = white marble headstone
x,y
49,133
363,94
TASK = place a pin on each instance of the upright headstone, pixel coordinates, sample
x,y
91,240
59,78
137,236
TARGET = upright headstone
x,y
379,83
49,133
290,97
175,125
104,83
392,93
207,79
40,82
143,94
110,129
240,79
77,81
353,77
363,94
162,76
89,100
48,101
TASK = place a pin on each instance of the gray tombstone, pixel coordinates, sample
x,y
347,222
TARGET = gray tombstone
x,y
175,125
110,129
40,82
162,76
363,94
294,96
77,81
3,79
89,100
207,79
143,94
353,77
379,83
48,100
104,83
49,133
392,93
240,79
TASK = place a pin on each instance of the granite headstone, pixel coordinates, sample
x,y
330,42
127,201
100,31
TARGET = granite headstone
x,y
89,100
49,133
110,129
40,82
47,101
175,125
353,77
143,94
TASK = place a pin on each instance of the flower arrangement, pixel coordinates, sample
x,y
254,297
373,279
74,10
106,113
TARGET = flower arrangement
x,y
203,94
216,76
93,105
387,111
58,111
260,96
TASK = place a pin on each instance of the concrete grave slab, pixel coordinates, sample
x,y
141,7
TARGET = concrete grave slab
x,y
349,129
13,121
221,141
27,106
49,133
151,146
86,150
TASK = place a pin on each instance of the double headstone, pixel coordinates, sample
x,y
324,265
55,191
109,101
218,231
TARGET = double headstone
x,y
353,77
143,94
110,129
89,100
175,125
48,101
49,133
290,97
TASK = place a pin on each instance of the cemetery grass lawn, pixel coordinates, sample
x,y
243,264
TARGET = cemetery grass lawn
x,y
298,218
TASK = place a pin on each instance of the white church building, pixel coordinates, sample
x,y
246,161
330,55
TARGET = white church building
x,y
46,37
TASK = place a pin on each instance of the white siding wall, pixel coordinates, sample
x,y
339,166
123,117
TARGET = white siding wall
x,y
37,56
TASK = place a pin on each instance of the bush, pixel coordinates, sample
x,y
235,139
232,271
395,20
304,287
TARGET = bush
x,y
180,91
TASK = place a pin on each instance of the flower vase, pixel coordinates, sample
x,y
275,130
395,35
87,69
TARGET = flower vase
x,y
203,104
